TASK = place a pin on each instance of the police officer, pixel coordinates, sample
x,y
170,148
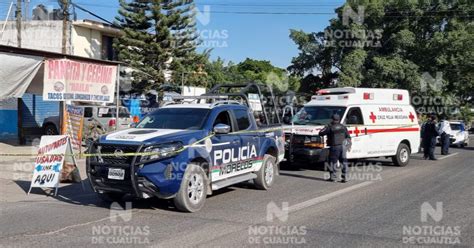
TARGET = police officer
x,y
430,132
444,130
337,135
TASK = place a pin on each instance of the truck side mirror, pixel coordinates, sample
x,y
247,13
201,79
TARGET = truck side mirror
x,y
221,129
287,120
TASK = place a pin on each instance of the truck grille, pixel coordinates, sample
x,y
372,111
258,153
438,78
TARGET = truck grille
x,y
116,150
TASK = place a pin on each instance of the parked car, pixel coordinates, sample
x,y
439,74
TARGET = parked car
x,y
458,136
97,120
192,150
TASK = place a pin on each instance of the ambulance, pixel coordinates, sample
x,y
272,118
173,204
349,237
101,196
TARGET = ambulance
x,y
381,122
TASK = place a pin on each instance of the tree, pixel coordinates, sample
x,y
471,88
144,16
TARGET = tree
x,y
157,36
397,45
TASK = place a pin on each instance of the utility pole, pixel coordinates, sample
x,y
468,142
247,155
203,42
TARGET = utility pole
x,y
65,8
18,22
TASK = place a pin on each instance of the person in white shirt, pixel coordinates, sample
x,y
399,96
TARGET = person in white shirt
x,y
444,131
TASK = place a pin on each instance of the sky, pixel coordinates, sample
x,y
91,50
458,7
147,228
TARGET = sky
x,y
230,30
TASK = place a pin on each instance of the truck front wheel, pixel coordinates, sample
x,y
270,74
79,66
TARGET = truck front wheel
x,y
192,193
266,174
402,158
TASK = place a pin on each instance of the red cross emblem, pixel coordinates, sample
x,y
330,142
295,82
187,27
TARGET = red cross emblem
x,y
357,132
412,117
373,117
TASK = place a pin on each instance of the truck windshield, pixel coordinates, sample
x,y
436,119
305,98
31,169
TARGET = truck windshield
x,y
317,115
175,118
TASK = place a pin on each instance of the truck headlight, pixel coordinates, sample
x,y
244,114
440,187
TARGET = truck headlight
x,y
161,151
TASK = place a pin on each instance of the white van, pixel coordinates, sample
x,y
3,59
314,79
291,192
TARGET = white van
x,y
382,123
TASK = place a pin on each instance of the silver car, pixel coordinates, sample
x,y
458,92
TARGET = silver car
x,y
97,120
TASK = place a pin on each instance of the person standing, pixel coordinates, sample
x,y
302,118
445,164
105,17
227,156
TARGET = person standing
x,y
444,130
337,137
430,132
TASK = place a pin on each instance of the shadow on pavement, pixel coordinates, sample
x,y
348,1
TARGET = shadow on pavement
x,y
77,195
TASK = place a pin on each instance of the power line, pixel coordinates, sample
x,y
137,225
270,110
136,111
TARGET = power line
x,y
92,14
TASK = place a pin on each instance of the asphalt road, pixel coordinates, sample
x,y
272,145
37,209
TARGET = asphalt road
x,y
382,206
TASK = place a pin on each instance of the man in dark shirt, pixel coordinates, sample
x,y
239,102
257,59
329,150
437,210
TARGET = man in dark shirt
x,y
337,135
429,133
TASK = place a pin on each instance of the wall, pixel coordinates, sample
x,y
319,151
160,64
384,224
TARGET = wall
x,y
8,119
87,42
39,35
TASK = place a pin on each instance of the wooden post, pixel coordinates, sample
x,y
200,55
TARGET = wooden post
x,y
18,22
65,9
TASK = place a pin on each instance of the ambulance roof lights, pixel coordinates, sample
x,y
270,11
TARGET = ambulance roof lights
x,y
368,96
397,97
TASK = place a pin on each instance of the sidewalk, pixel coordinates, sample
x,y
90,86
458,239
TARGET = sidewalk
x,y
16,174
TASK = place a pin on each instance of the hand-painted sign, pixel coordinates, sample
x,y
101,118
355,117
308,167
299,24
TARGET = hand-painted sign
x,y
78,81
54,154
72,126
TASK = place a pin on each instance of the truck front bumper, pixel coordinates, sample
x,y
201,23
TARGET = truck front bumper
x,y
135,183
313,155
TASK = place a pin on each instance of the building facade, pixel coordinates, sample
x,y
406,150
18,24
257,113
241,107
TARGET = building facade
x,y
21,119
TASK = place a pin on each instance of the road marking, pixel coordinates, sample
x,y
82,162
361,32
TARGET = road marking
x,y
326,197
447,156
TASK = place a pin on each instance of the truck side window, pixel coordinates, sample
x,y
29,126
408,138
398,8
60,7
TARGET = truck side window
x,y
242,118
223,118
88,112
354,117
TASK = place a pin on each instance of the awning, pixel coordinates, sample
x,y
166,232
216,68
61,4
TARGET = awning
x,y
16,73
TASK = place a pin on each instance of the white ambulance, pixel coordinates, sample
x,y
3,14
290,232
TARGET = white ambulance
x,y
381,122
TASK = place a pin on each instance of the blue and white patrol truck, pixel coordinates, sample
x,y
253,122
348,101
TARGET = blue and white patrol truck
x,y
186,151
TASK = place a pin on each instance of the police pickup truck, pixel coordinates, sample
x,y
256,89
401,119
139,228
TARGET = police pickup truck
x,y
185,152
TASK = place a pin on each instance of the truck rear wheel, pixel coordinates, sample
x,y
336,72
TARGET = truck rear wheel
x,y
192,192
267,173
50,129
402,158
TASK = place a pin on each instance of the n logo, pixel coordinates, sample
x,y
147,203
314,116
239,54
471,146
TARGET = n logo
x,y
116,210
349,13
435,214
434,83
204,17
274,211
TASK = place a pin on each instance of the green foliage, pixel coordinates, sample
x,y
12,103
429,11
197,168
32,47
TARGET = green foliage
x,y
158,35
207,73
397,43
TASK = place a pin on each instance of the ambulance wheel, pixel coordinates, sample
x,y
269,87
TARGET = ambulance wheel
x,y
111,197
403,155
266,174
192,192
